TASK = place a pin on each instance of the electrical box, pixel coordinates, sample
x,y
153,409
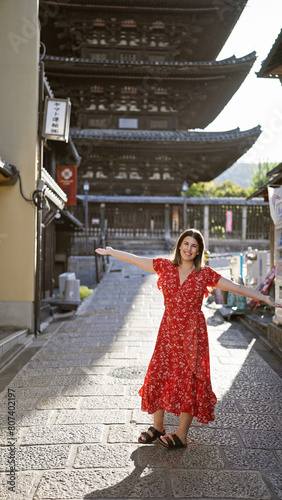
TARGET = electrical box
x,y
278,259
256,267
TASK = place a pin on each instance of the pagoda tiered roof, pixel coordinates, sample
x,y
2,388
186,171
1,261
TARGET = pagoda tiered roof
x,y
83,67
143,79
208,22
272,66
146,157
191,87
155,136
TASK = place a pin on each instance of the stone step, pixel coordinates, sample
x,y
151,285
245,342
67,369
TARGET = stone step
x,y
12,345
138,245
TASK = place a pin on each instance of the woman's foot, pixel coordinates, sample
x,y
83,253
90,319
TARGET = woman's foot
x,y
151,435
172,441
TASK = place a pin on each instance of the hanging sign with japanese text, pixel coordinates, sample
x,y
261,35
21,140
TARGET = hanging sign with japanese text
x,y
56,121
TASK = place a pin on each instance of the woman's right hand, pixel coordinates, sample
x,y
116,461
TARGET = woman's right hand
x,y
104,251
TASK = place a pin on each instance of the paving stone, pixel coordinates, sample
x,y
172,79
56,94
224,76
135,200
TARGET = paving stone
x,y
62,363
97,456
21,404
258,373
197,457
41,372
91,370
273,407
124,433
129,372
245,384
141,417
24,486
133,389
102,484
89,342
263,392
228,405
218,484
112,402
109,362
249,359
239,458
58,402
94,390
36,457
5,435
48,353
64,434
91,416
269,440
117,347
28,418
55,381
276,481
212,437
244,421
22,393
279,454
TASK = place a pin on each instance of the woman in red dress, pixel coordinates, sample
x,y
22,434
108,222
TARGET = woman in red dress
x,y
178,376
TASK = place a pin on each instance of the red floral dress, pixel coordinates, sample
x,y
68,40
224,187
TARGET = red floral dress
x,y
178,376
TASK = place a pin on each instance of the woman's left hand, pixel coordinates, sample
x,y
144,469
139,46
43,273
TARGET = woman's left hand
x,y
271,302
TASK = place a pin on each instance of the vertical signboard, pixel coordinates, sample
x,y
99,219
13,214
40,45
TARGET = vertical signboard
x,y
56,121
66,178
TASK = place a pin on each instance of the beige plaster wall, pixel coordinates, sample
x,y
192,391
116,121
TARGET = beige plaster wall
x,y
19,52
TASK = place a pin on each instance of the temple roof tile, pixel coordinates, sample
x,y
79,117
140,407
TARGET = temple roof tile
x,y
164,136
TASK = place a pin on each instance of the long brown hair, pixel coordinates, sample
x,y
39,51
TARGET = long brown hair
x,y
193,233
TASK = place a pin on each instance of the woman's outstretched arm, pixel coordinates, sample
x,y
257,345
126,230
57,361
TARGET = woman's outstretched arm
x,y
145,263
230,286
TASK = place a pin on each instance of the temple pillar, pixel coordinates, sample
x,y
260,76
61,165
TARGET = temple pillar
x,y
102,218
206,226
244,223
167,224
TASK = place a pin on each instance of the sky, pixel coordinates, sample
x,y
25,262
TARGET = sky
x,y
259,100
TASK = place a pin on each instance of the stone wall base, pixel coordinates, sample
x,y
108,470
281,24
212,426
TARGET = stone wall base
x,y
274,334
18,314
84,269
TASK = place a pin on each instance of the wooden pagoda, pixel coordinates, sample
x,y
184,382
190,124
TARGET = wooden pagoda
x,y
142,78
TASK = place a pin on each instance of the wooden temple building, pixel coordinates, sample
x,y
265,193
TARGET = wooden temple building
x,y
144,82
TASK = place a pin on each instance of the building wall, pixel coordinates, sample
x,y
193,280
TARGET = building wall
x,y
19,51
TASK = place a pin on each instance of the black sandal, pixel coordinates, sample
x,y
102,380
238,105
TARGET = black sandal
x,y
170,444
148,438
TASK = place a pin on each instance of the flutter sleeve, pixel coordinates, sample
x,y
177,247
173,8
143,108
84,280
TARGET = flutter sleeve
x,y
159,265
212,278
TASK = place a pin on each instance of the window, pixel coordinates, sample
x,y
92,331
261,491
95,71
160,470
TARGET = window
x,y
158,124
128,56
128,122
99,56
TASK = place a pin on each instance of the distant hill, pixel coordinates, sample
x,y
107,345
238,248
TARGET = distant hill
x,y
239,173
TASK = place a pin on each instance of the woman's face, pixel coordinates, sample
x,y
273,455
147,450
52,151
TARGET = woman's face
x,y
189,249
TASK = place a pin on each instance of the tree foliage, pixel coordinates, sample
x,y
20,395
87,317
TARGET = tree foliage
x,y
259,176
226,189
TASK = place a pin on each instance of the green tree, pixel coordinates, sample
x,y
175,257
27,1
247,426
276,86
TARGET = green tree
x,y
259,176
226,189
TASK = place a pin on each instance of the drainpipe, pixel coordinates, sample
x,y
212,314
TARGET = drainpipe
x,y
38,200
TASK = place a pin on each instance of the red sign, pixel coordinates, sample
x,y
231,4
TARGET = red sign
x,y
66,178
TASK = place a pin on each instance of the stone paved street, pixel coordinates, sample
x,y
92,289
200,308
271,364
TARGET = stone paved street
x,y
78,414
